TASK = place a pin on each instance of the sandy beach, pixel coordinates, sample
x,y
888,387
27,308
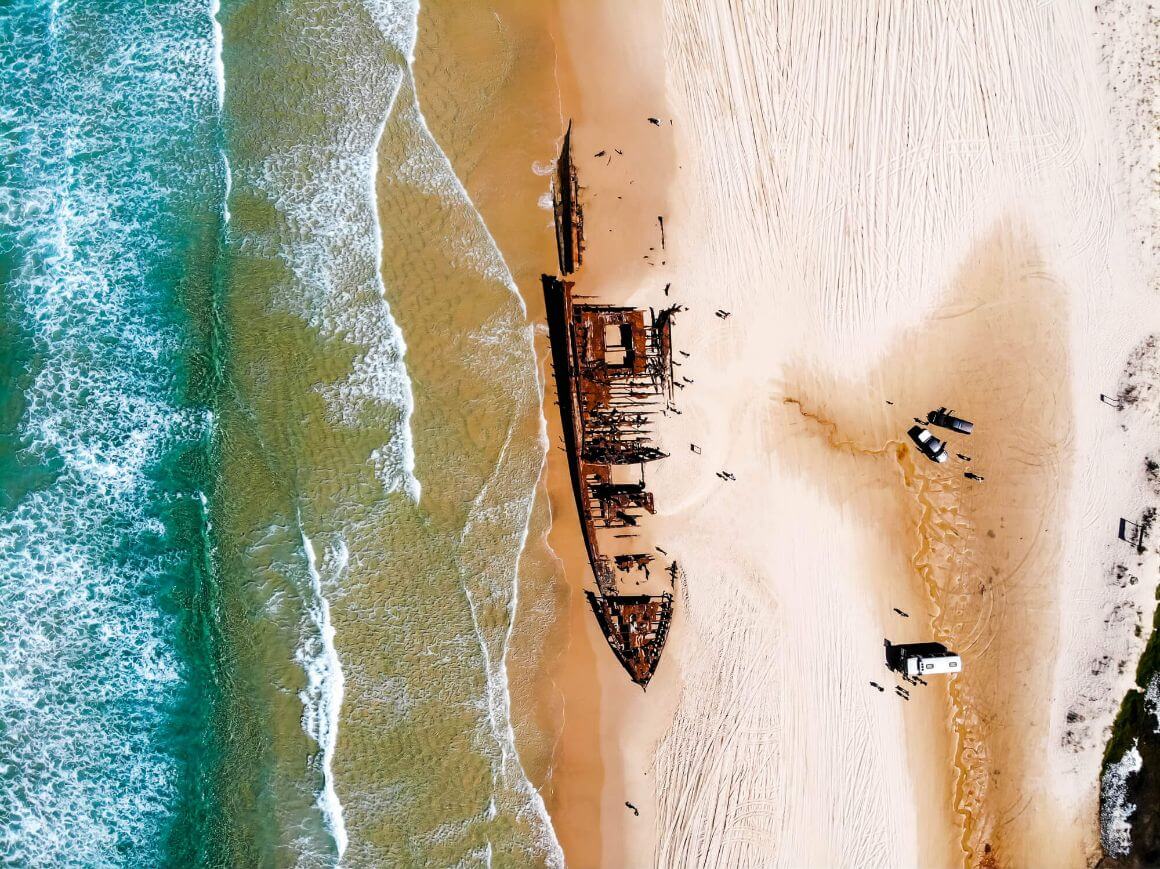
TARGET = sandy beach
x,y
899,209
350,519
612,727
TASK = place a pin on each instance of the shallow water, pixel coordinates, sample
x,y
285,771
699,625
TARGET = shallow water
x,y
270,435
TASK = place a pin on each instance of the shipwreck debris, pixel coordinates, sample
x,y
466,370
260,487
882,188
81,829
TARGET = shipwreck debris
x,y
614,373
566,206
636,627
614,369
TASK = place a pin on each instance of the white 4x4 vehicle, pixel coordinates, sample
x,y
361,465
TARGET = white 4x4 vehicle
x,y
928,444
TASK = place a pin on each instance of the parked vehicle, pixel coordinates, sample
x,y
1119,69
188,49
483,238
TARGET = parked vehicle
x,y
928,444
946,419
922,659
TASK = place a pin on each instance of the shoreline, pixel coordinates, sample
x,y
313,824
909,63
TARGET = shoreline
x,y
559,666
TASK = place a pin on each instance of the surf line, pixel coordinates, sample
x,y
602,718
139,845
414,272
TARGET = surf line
x,y
219,71
498,698
322,696
410,482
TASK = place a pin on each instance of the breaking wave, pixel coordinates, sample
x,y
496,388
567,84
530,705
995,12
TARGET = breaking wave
x,y
322,696
1115,810
115,231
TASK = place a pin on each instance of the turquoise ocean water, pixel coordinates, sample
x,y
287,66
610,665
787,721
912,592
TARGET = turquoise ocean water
x,y
110,202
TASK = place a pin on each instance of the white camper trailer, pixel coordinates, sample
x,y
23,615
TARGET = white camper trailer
x,y
922,659
942,663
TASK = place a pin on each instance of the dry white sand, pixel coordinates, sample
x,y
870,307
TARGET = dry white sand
x,y
921,203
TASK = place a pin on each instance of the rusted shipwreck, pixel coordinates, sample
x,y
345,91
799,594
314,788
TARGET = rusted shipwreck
x,y
636,627
569,217
614,374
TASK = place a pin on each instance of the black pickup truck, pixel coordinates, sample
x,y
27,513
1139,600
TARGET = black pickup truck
x,y
946,419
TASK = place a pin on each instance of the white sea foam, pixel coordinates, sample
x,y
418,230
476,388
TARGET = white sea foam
x,y
1115,810
219,68
325,233
219,73
322,696
501,513
333,250
498,698
203,502
229,185
410,482
398,21
330,240
1152,698
90,673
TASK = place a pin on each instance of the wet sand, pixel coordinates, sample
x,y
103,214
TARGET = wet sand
x,y
476,63
433,764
